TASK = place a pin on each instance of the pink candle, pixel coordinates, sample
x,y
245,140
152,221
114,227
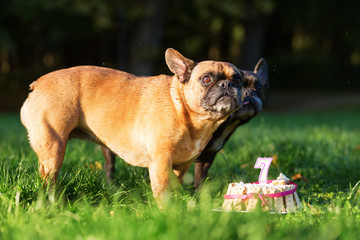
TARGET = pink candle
x,y
263,164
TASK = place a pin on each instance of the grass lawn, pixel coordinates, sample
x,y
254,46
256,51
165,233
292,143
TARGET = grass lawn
x,y
324,147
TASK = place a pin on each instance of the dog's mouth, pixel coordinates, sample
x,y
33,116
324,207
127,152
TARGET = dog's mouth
x,y
222,102
225,104
224,96
248,101
251,106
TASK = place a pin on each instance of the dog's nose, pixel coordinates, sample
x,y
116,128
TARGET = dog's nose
x,y
225,84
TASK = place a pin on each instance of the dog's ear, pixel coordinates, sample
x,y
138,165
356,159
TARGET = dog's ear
x,y
261,69
178,64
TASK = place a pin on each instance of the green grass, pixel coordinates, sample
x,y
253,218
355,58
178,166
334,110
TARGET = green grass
x,y
324,147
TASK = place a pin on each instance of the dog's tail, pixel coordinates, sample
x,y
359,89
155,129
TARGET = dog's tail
x,y
33,85
24,112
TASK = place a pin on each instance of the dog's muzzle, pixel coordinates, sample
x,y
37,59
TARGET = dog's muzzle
x,y
223,97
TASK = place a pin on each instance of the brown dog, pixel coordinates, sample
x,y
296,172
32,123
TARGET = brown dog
x,y
161,122
254,83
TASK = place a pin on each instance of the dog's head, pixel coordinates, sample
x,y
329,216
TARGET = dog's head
x,y
255,83
209,87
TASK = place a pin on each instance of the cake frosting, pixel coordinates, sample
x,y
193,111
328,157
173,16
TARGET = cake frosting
x,y
275,196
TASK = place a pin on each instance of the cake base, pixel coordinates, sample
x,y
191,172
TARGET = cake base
x,y
220,209
276,196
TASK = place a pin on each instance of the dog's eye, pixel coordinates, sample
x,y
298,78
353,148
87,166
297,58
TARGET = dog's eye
x,y
246,84
259,86
206,80
237,78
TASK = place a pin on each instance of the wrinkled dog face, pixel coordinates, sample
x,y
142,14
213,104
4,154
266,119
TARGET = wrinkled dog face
x,y
221,87
253,95
210,88
255,84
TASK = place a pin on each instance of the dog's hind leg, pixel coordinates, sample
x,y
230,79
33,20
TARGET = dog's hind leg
x,y
109,163
49,145
48,135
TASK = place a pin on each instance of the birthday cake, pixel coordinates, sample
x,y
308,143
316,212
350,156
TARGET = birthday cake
x,y
277,196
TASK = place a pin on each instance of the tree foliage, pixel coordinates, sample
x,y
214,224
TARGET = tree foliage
x,y
308,44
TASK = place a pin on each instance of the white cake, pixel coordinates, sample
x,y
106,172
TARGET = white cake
x,y
275,196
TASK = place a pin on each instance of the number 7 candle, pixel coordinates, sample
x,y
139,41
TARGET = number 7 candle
x,y
263,164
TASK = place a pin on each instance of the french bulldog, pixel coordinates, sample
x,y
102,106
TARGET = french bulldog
x,y
254,85
159,122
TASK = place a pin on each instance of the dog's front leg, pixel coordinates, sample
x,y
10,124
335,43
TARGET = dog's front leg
x,y
202,165
199,174
159,171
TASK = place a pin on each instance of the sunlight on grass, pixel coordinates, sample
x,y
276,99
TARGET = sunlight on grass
x,y
323,147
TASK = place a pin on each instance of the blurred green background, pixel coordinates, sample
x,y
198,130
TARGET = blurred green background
x,y
312,47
